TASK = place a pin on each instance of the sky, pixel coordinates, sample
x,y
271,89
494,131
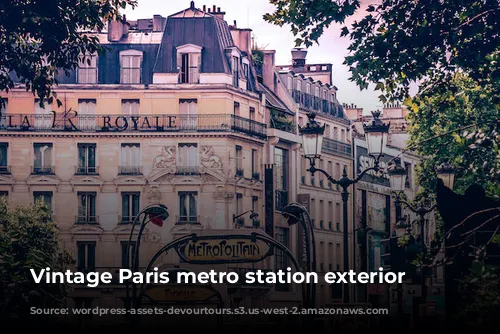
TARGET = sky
x,y
248,14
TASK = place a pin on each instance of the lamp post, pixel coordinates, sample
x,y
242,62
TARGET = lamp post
x,y
312,141
156,214
397,177
294,213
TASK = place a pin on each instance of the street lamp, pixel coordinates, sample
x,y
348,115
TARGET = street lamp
x,y
312,140
447,174
155,214
294,213
397,177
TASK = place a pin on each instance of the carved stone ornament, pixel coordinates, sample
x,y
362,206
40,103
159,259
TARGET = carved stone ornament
x,y
208,159
154,196
166,159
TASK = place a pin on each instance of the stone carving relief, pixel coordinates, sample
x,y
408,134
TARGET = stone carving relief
x,y
166,159
154,196
208,159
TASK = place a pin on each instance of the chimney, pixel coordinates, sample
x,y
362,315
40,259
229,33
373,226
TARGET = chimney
x,y
204,8
217,12
235,26
158,23
268,67
115,30
299,58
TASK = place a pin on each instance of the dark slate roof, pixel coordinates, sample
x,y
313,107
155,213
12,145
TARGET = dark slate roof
x,y
209,32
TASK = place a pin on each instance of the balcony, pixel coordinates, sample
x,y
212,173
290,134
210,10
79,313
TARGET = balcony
x,y
4,169
86,220
126,219
86,170
130,170
45,170
336,147
187,170
128,123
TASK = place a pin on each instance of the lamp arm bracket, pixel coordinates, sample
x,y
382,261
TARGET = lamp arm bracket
x,y
313,170
363,173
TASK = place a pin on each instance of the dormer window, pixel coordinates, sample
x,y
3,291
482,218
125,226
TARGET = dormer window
x,y
299,85
189,63
87,69
236,68
130,66
246,71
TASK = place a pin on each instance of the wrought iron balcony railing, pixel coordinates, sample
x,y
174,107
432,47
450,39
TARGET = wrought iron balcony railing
x,y
281,199
86,219
130,170
86,170
43,170
70,122
187,170
4,169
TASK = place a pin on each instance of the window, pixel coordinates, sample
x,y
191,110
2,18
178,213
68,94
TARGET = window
x,y
289,83
246,73
255,204
3,112
239,201
4,147
43,159
131,159
43,115
322,256
128,253
252,113
130,67
87,69
281,163
86,114
337,214
188,114
308,88
255,165
282,236
408,175
312,68
130,107
190,64
236,69
342,136
86,207
130,206
239,161
43,198
236,109
338,255
86,256
188,159
188,207
86,159
299,85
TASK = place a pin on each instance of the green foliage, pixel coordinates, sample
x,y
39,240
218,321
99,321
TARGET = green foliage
x,y
473,151
480,291
27,241
39,39
399,42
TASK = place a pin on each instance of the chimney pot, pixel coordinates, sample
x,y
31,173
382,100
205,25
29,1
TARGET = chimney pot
x,y
218,9
204,8
214,9
235,23
209,10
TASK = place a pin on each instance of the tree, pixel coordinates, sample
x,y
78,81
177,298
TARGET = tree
x,y
400,42
39,39
28,241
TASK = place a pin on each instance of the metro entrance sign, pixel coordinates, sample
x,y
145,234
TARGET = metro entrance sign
x,y
180,293
216,249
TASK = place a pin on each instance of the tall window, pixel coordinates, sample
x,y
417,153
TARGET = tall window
x,y
246,73
43,159
87,69
281,163
43,115
188,207
190,67
86,159
86,256
130,107
236,71
4,148
44,198
188,158
188,114
3,112
255,204
255,165
128,253
86,114
330,256
282,236
131,159
239,161
130,206
239,203
86,207
130,67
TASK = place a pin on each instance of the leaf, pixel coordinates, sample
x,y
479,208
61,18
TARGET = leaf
x,y
344,32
